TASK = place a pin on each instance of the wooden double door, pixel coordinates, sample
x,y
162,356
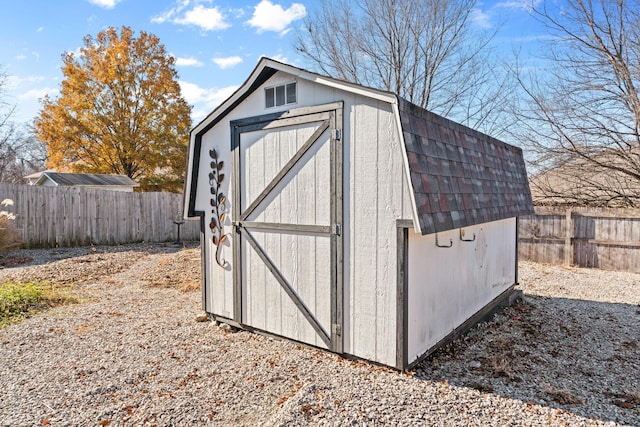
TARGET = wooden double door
x,y
288,224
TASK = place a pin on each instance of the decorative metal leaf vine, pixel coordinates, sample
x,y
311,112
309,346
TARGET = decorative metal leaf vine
x,y
218,206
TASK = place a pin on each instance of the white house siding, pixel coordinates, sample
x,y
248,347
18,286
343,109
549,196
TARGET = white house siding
x,y
446,286
48,183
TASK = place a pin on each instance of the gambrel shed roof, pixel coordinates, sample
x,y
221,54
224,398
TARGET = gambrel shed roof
x,y
459,177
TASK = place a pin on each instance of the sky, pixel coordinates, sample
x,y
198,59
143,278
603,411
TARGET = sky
x,y
216,43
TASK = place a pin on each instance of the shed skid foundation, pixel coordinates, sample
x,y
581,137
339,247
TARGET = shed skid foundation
x,y
508,298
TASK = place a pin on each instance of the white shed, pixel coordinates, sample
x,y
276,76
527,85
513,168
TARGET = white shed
x,y
349,219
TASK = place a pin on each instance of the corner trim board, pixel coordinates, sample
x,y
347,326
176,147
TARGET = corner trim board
x,y
203,262
402,287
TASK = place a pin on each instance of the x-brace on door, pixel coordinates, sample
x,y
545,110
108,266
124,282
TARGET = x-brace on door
x,y
287,216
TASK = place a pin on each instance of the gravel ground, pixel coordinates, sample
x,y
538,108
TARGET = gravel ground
x,y
134,353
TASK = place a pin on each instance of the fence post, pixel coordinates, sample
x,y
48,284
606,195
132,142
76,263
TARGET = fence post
x,y
568,247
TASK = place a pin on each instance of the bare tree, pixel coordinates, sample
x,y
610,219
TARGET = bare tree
x,y
20,153
427,51
583,121
6,110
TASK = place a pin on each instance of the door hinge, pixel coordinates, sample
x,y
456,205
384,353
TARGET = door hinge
x,y
337,329
337,230
337,135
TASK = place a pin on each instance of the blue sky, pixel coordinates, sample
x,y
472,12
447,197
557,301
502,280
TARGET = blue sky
x,y
216,43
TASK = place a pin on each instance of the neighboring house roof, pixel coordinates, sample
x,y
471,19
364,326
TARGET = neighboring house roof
x,y
580,182
34,175
32,178
86,179
459,176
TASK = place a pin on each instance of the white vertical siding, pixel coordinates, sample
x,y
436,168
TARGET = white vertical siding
x,y
219,292
377,200
446,286
364,227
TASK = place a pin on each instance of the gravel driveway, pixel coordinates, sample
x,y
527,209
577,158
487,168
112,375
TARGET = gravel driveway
x,y
132,353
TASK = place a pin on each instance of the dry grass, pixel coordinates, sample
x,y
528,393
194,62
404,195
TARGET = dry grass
x,y
562,397
629,400
9,235
190,286
180,271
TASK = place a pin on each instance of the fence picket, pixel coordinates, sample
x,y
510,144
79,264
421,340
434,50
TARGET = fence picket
x,y
601,238
68,216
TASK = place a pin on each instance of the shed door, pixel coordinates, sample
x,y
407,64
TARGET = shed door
x,y
288,221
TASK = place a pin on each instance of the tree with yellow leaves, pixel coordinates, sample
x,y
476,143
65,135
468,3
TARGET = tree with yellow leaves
x,y
120,111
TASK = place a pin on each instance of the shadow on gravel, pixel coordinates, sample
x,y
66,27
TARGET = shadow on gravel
x,y
579,356
32,257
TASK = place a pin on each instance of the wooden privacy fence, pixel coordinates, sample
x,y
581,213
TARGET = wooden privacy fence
x,y
68,216
584,237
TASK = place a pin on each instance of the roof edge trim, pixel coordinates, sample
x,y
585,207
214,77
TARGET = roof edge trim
x,y
405,161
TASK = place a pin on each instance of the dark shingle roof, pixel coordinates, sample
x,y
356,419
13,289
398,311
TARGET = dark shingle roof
x,y
89,179
460,176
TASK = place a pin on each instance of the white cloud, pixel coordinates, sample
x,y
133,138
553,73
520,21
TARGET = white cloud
x,y
21,57
227,62
201,97
40,29
481,19
197,114
77,53
273,17
14,82
188,62
525,5
237,13
169,14
107,4
280,58
206,18
38,93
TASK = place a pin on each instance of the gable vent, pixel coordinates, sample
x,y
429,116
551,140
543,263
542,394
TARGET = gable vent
x,y
276,96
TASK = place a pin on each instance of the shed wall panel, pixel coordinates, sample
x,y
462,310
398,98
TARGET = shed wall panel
x,y
219,292
377,200
470,273
364,231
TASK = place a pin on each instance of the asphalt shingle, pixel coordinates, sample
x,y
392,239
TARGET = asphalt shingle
x,y
461,177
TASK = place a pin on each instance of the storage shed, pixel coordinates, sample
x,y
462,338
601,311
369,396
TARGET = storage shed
x,y
349,219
